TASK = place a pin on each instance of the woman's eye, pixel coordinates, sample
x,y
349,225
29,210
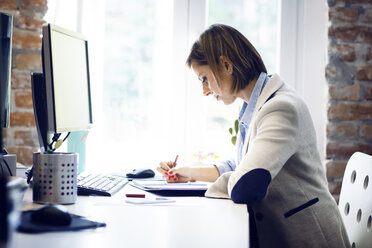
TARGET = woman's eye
x,y
204,80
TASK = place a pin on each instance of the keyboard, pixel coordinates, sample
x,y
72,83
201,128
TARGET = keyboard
x,y
100,184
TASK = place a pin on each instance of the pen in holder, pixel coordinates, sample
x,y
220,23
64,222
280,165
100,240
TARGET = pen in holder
x,y
55,177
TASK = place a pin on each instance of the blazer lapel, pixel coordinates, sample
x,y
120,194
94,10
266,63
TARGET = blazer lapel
x,y
273,85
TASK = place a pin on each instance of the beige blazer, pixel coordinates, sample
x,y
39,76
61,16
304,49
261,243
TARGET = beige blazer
x,y
281,177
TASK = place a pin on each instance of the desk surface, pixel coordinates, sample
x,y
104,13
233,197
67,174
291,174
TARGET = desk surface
x,y
189,222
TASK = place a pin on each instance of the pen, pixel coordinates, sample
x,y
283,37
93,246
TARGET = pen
x,y
175,162
136,195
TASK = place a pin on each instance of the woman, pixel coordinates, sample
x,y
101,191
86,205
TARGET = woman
x,y
278,172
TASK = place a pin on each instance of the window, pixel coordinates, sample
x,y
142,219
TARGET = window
x,y
256,20
147,105
132,123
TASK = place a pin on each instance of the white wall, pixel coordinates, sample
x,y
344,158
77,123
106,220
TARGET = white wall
x,y
302,60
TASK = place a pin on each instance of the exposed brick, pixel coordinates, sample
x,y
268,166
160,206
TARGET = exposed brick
x,y
26,40
6,137
26,138
350,111
351,92
24,154
335,187
364,73
342,130
34,4
351,33
339,72
339,151
347,52
31,61
350,52
33,8
369,54
353,1
336,168
21,79
343,14
367,131
23,99
7,5
27,23
330,71
368,16
22,119
368,93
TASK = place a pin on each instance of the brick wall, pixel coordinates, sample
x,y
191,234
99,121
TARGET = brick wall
x,y
21,137
349,76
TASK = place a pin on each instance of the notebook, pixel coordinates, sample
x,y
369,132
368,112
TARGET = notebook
x,y
172,189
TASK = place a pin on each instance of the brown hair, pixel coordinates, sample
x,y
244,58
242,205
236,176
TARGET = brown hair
x,y
222,40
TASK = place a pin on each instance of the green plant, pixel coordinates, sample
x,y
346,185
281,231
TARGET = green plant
x,y
234,134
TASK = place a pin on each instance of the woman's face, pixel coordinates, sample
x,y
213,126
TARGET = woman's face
x,y
210,86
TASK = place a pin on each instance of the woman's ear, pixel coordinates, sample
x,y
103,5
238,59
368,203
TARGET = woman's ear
x,y
226,64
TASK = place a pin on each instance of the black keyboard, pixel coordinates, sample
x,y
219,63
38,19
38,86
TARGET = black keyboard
x,y
100,184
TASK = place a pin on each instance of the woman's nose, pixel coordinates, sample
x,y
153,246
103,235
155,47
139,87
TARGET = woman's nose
x,y
206,90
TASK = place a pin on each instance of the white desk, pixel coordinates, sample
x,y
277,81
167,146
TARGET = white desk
x,y
189,222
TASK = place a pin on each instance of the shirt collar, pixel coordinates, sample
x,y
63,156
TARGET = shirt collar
x,y
250,105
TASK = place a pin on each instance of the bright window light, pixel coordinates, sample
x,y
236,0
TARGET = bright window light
x,y
147,105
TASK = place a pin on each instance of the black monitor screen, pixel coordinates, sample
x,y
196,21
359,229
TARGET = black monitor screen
x,y
66,70
5,67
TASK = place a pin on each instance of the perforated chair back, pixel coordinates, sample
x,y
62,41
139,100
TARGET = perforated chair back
x,y
355,202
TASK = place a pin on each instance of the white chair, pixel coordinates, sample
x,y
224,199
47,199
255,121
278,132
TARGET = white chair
x,y
355,202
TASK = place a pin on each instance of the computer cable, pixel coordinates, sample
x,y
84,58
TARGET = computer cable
x,y
57,141
30,174
68,134
54,139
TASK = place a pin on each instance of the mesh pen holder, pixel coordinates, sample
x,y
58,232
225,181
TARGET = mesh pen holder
x,y
55,177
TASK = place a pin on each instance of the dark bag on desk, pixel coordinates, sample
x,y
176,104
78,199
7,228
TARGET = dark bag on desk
x,y
78,223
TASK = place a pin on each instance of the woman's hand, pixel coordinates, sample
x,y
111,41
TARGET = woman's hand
x,y
179,174
183,174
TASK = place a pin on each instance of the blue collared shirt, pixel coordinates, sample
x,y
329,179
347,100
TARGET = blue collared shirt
x,y
245,117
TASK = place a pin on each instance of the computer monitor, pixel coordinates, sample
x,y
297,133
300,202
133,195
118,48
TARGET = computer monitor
x,y
6,28
67,83
7,161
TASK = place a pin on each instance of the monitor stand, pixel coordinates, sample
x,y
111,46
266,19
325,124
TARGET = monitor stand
x,y
8,162
40,109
